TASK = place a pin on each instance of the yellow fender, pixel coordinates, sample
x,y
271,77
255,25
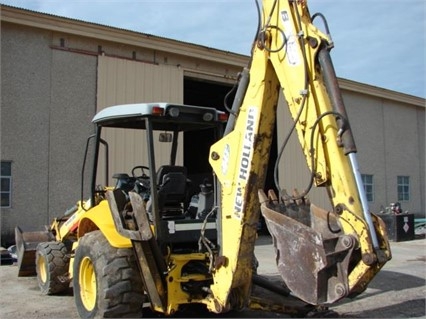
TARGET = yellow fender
x,y
100,217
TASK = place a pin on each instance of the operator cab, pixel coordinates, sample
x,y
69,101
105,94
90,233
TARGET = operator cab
x,y
177,208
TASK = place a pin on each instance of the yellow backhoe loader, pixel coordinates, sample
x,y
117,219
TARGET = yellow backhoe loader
x,y
168,239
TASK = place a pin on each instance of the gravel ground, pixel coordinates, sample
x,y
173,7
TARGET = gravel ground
x,y
398,291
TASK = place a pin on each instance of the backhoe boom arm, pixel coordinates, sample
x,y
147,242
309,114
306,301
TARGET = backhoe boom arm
x,y
291,54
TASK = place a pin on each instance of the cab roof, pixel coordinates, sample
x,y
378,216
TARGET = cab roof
x,y
163,116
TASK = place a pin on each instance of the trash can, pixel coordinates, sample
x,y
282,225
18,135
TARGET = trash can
x,y
400,227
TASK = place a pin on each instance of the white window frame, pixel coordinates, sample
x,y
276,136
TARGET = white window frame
x,y
368,186
403,188
9,191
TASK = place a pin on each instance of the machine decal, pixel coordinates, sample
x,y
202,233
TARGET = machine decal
x,y
246,156
292,46
225,159
72,222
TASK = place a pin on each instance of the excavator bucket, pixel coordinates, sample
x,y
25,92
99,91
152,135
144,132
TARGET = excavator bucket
x,y
26,245
312,254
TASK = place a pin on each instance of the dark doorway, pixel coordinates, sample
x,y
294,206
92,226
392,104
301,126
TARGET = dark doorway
x,y
206,93
197,144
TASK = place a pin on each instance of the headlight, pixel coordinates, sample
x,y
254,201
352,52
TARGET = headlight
x,y
174,112
208,117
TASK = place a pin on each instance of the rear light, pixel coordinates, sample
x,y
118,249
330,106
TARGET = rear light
x,y
223,117
157,110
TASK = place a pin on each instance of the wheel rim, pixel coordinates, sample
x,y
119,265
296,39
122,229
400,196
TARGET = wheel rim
x,y
42,265
87,281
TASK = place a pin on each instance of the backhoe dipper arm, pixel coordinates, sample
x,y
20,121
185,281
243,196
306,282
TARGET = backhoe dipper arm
x,y
292,54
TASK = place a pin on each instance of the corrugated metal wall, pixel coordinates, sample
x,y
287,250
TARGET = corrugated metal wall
x,y
123,81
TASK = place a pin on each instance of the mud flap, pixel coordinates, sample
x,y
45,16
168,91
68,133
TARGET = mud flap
x,y
26,246
312,254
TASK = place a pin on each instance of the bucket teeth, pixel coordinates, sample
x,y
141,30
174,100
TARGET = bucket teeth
x,y
295,207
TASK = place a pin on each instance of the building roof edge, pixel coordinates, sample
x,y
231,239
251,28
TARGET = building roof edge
x,y
109,33
371,90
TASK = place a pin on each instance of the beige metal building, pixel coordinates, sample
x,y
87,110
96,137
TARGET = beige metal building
x,y
57,72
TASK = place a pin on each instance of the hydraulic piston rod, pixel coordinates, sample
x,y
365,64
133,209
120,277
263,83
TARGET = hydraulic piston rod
x,y
363,197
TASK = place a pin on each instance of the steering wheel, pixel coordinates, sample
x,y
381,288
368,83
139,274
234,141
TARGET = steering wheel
x,y
142,168
142,182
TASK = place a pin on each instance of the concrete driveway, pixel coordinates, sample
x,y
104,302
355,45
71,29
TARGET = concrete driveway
x,y
398,291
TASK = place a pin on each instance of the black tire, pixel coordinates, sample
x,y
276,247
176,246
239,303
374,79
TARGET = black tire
x,y
106,280
52,262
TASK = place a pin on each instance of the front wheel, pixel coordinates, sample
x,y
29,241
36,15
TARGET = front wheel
x,y
52,262
106,280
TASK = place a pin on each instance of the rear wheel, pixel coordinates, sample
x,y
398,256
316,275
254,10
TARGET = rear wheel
x,y
106,280
52,262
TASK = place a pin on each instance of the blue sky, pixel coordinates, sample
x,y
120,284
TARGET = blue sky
x,y
381,42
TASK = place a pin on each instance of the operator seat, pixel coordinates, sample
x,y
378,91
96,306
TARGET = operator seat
x,y
172,191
